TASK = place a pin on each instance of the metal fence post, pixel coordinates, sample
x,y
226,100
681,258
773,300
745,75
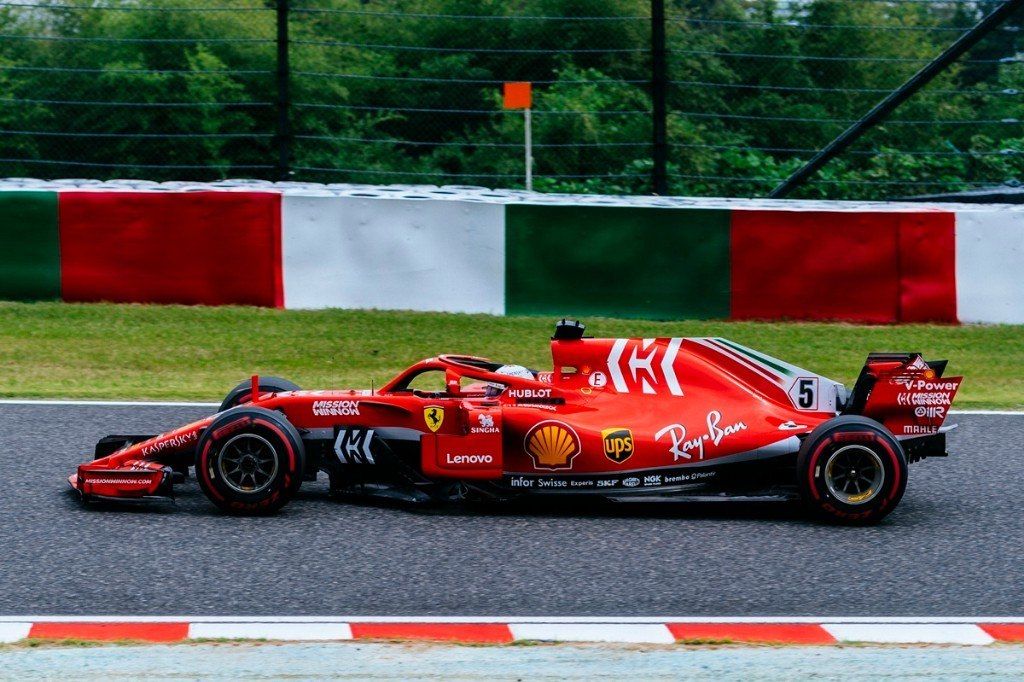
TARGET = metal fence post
x,y
659,108
284,133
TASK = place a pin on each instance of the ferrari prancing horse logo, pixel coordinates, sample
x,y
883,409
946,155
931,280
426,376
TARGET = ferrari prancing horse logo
x,y
433,416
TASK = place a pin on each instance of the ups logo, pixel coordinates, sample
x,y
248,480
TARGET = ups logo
x,y
618,444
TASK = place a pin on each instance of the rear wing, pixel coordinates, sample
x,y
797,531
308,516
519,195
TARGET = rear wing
x,y
905,392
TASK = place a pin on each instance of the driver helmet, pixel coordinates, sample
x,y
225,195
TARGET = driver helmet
x,y
494,388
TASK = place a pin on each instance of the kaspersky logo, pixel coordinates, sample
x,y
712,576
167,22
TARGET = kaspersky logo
x,y
552,445
618,444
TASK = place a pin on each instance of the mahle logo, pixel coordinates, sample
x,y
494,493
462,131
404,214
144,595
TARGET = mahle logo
x,y
618,444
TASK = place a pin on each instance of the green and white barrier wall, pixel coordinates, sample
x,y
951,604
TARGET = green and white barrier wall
x,y
462,249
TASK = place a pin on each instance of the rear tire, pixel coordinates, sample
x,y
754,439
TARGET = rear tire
x,y
852,471
249,461
242,393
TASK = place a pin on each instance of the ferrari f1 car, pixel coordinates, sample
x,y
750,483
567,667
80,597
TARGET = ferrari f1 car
x,y
621,419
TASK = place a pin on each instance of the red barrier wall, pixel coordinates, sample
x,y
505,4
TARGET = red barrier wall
x,y
210,248
874,267
928,267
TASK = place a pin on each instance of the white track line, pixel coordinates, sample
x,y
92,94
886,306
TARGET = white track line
x,y
105,403
155,403
596,620
909,633
634,633
13,632
287,631
617,630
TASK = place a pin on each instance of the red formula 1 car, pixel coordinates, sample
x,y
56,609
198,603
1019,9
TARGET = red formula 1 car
x,y
696,418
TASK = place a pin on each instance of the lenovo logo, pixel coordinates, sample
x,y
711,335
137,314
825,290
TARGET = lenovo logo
x,y
462,460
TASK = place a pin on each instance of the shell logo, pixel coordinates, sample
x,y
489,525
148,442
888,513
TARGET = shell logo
x,y
552,445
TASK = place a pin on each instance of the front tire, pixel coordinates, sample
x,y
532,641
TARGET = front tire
x,y
249,461
852,471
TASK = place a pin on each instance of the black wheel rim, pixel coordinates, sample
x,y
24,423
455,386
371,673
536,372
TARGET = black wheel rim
x,y
247,463
854,474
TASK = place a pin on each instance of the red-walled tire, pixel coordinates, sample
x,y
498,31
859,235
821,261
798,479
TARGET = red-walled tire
x,y
852,471
242,393
250,461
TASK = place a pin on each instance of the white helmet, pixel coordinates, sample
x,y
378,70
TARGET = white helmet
x,y
514,371
508,370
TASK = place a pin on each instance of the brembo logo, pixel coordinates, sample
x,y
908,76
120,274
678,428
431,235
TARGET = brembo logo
x,y
335,408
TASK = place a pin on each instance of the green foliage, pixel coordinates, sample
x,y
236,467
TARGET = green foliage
x,y
756,87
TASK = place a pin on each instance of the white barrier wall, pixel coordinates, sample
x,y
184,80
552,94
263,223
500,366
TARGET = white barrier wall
x,y
351,252
990,266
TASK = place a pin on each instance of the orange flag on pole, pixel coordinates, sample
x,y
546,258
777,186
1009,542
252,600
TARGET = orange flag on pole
x,y
518,95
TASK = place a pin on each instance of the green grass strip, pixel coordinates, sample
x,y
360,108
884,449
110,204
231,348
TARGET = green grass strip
x,y
101,351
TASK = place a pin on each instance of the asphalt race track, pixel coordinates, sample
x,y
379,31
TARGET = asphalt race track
x,y
953,547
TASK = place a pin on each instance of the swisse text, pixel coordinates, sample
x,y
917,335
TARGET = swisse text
x,y
449,458
335,408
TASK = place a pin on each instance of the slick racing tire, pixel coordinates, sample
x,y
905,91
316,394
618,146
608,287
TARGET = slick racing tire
x,y
242,393
249,461
851,471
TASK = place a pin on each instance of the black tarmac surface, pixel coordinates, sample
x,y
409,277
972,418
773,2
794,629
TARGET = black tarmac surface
x,y
954,547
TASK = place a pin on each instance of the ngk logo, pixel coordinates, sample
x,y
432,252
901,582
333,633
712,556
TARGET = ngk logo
x,y
644,365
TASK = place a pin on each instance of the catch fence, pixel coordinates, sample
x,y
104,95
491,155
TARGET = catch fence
x,y
409,91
